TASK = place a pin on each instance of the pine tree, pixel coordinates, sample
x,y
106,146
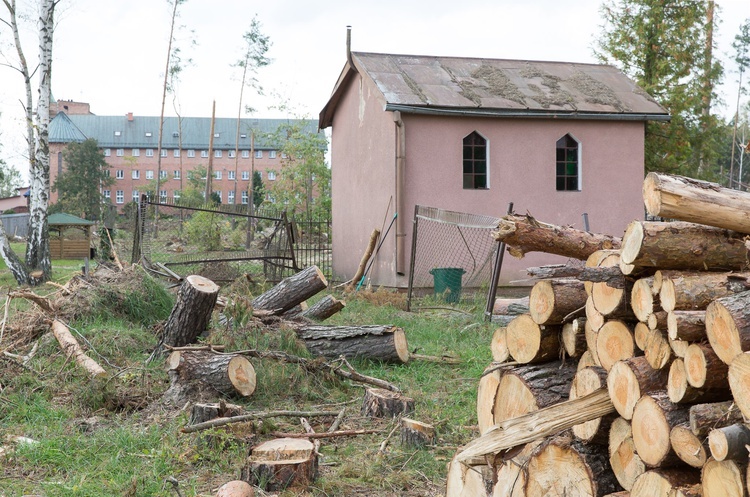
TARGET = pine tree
x,y
79,186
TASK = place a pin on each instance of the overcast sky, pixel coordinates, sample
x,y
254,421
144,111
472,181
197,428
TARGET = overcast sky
x,y
112,53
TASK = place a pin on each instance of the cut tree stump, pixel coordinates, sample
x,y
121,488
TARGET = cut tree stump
x,y
586,381
551,301
728,325
416,433
324,308
381,403
499,345
723,479
191,313
291,291
691,449
654,416
706,417
614,342
200,413
281,463
687,325
523,234
228,374
688,199
729,442
680,245
631,378
377,342
529,342
695,291
626,463
666,483
486,392
704,368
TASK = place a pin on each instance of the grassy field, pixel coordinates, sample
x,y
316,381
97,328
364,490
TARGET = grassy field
x,y
115,437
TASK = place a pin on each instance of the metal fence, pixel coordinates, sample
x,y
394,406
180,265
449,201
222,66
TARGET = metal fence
x,y
16,224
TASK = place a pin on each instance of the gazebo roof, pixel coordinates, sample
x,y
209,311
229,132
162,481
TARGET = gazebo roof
x,y
62,219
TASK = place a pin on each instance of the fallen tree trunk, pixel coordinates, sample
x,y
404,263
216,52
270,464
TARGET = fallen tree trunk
x,y
728,325
524,234
191,313
378,342
228,374
529,342
291,291
72,349
324,308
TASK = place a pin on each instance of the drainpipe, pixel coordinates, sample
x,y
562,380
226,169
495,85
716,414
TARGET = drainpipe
x,y
400,211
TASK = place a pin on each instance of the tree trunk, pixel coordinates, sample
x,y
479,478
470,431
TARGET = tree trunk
x,y
586,381
691,449
696,201
292,290
529,342
643,301
524,234
658,320
593,261
626,463
695,291
704,368
631,378
614,342
724,479
706,417
654,416
324,308
679,245
730,442
281,463
191,313
574,337
72,349
657,351
667,482
687,325
486,393
551,301
228,374
739,382
377,342
524,389
381,403
609,298
728,325
565,467
200,413
416,434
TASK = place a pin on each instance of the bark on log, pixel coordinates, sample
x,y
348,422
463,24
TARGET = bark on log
x,y
524,234
556,271
612,299
630,379
551,301
724,479
626,463
667,482
200,413
291,291
614,342
499,345
695,291
281,463
228,374
691,450
592,262
739,382
512,307
687,325
191,313
381,403
72,349
574,337
585,382
565,467
696,201
658,321
417,434
680,245
730,442
525,389
377,342
681,392
654,416
728,325
324,308
643,301
486,393
706,417
704,368
657,351
530,343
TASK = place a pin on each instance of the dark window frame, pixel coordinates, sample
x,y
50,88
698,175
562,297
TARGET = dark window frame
x,y
475,171
567,164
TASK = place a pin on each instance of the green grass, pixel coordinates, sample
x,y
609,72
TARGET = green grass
x,y
134,444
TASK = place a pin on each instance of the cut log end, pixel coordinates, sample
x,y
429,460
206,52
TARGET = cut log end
x,y
688,447
632,241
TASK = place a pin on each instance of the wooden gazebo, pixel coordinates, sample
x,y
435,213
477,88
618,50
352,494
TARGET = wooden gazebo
x,y
70,236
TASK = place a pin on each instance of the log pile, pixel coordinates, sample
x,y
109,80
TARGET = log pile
x,y
660,327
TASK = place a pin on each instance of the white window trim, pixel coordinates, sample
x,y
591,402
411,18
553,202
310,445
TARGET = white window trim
x,y
191,153
149,174
136,152
120,174
135,174
245,154
149,152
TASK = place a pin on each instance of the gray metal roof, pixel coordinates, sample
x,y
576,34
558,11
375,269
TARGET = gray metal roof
x,y
195,131
496,87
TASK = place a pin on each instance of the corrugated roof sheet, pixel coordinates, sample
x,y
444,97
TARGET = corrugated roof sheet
x,y
195,131
62,219
497,86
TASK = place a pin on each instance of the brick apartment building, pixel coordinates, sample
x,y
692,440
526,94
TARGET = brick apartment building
x,y
130,145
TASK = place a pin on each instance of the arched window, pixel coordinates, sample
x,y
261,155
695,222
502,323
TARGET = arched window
x,y
568,167
475,162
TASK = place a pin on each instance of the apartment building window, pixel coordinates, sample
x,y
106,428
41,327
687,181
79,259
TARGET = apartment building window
x,y
149,175
148,134
163,152
107,194
119,196
271,176
258,154
230,197
149,152
162,195
191,154
118,133
120,152
136,174
176,174
245,154
217,174
135,195
231,154
107,152
245,175
107,173
231,175
283,155
244,197
176,195
136,152
120,174
272,154
260,174
217,154
163,174
204,153
176,152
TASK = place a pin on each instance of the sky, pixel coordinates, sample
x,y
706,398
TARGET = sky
x,y
112,53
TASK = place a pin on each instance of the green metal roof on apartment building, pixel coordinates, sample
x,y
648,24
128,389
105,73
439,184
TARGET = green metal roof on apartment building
x,y
143,131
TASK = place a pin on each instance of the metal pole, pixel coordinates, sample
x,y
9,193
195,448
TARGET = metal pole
x,y
411,262
585,221
495,275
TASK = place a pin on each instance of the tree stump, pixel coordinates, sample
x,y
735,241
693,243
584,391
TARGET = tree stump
x,y
380,403
529,342
291,291
228,374
191,313
200,413
377,342
281,463
654,416
626,463
324,308
691,449
417,434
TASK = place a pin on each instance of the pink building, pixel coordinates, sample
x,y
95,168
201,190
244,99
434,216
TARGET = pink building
x,y
471,135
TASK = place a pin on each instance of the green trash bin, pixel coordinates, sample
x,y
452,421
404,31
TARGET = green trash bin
x,y
448,282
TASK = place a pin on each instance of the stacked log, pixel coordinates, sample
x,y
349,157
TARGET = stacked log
x,y
668,339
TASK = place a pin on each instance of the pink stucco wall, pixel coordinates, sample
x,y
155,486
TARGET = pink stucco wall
x,y
522,170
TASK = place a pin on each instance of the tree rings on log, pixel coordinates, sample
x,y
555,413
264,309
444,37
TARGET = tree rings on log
x,y
654,416
614,342
281,463
229,374
416,433
586,381
499,345
691,449
730,442
728,325
704,368
667,482
626,463
486,393
723,478
381,403
529,342
628,380
376,342
551,301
